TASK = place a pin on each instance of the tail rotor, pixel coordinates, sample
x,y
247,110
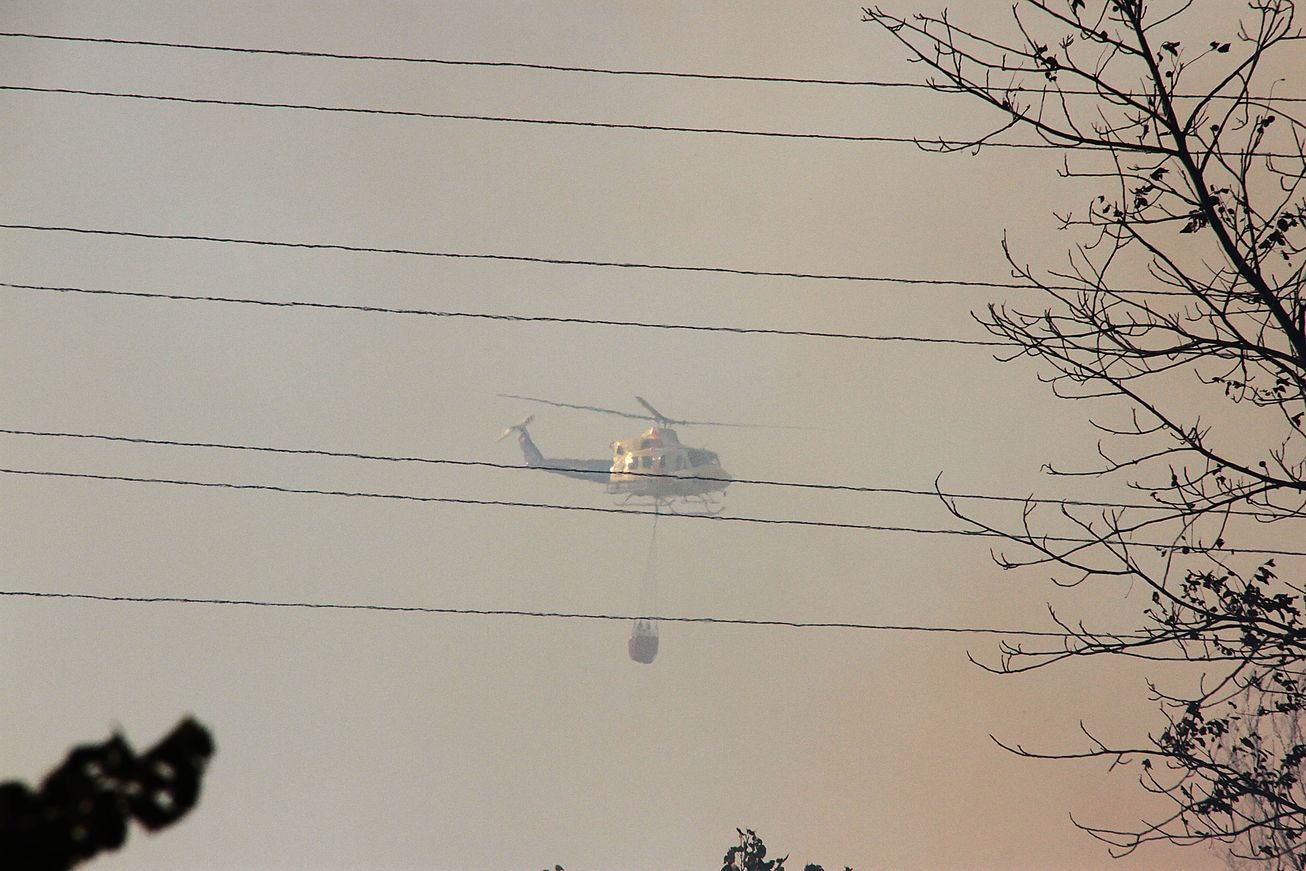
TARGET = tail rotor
x,y
517,427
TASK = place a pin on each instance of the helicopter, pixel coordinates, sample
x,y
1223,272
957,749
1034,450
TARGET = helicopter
x,y
652,466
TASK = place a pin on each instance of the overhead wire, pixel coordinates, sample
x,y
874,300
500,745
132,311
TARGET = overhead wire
x,y
433,61
933,142
544,67
377,309
559,261
958,144
938,143
485,464
594,509
559,615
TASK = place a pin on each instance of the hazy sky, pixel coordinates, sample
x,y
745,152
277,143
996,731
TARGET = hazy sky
x,y
384,740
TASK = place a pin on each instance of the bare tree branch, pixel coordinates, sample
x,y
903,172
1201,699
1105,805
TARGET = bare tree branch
x,y
1200,397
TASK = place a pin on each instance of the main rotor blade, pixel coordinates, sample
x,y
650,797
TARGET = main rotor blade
x,y
657,416
743,425
662,418
578,407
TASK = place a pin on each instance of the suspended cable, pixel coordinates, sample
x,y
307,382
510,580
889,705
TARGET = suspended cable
x,y
607,71
549,122
554,615
940,144
936,340
599,476
519,258
719,518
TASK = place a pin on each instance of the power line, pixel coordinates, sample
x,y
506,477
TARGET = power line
x,y
486,502
933,143
506,317
671,74
720,518
558,261
484,464
553,615
550,122
607,71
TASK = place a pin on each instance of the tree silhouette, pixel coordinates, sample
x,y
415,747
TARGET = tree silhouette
x,y
750,855
84,806
1179,314
1276,735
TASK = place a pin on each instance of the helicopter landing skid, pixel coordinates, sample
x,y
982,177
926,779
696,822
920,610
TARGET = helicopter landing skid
x,y
709,507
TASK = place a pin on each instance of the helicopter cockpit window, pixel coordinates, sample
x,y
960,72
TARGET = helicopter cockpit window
x,y
699,458
648,462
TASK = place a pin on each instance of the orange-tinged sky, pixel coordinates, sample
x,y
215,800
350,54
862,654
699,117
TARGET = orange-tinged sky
x,y
352,740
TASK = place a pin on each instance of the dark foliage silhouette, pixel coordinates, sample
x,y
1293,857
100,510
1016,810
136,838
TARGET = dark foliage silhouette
x,y
84,806
750,855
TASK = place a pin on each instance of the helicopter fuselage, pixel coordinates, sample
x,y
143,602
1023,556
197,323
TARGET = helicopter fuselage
x,y
656,464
